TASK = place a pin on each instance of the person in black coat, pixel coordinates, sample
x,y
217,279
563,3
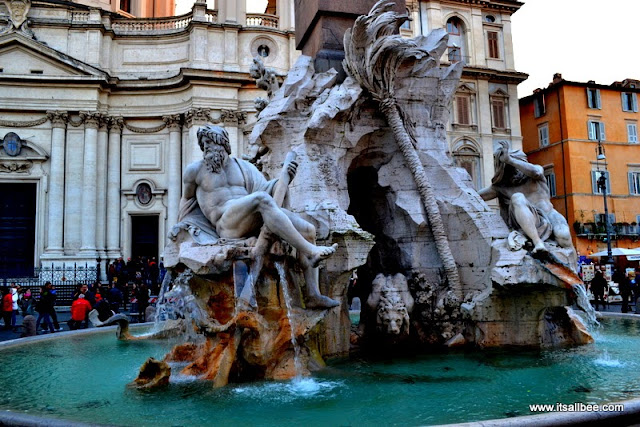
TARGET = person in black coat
x,y
625,289
598,285
115,298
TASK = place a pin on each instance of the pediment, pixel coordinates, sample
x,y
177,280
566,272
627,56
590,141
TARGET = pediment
x,y
22,57
466,88
499,93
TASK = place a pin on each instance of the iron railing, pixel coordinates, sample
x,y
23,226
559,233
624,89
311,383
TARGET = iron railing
x,y
65,278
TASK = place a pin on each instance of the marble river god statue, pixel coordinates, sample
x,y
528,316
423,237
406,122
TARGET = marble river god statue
x,y
228,198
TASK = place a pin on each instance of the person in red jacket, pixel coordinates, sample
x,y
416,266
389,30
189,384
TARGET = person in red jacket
x,y
7,307
79,310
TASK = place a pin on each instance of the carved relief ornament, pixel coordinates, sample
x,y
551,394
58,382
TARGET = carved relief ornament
x,y
58,119
18,10
173,121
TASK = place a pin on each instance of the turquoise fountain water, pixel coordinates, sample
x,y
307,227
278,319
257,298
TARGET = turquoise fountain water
x,y
84,378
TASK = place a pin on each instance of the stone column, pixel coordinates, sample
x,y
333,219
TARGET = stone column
x,y
232,119
89,178
194,119
55,219
101,194
113,188
175,169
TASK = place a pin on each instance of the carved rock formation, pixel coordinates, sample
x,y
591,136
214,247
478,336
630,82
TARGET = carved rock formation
x,y
153,374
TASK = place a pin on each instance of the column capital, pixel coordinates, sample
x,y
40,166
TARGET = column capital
x,y
233,117
197,116
91,119
58,119
173,121
115,124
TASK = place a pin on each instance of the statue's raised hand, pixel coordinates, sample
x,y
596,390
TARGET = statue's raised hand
x,y
292,169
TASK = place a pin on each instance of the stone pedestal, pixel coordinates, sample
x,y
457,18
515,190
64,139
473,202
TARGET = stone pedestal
x,y
320,27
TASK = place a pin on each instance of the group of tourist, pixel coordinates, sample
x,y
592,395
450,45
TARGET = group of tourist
x,y
105,300
140,270
628,288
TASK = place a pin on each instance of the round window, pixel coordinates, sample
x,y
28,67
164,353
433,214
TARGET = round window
x,y
143,193
490,18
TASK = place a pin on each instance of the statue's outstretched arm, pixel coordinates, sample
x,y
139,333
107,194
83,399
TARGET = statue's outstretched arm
x,y
488,193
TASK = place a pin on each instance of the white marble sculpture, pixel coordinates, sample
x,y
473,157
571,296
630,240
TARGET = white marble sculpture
x,y
226,199
392,304
524,198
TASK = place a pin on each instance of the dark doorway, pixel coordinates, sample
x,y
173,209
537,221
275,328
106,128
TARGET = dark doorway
x,y
17,229
144,236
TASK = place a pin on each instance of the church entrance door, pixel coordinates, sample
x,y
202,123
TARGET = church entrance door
x,y
17,229
144,236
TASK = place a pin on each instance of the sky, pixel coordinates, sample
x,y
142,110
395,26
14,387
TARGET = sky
x,y
581,39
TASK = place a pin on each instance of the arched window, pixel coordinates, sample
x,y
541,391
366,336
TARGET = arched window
x,y
457,47
454,26
467,157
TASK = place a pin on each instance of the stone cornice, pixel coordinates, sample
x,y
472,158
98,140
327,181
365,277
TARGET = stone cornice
x,y
494,75
505,5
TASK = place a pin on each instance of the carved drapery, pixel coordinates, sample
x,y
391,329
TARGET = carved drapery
x,y
137,129
25,124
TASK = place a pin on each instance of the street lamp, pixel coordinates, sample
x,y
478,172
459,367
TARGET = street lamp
x,y
602,185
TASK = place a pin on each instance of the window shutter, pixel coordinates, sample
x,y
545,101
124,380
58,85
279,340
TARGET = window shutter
x,y
594,182
463,110
492,41
632,189
624,104
592,130
634,101
632,132
498,114
589,101
599,104
602,137
552,184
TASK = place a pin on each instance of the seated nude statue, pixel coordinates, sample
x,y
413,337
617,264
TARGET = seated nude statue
x,y
228,198
524,198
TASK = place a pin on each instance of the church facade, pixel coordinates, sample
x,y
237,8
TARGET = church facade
x,y
98,116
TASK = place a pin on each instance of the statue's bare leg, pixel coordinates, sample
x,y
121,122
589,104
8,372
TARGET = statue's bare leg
x,y
527,221
561,231
242,217
314,298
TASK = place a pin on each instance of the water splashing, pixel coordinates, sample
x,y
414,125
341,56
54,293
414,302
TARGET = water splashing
x,y
287,299
585,305
608,361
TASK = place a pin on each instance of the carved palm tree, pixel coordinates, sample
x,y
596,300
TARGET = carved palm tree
x,y
373,53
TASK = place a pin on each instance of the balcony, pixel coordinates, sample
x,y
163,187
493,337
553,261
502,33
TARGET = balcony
x,y
262,20
619,230
172,24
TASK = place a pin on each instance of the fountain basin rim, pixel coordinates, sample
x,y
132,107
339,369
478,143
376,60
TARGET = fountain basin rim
x,y
58,335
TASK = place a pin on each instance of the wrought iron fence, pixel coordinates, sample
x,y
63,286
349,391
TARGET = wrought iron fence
x,y
65,278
